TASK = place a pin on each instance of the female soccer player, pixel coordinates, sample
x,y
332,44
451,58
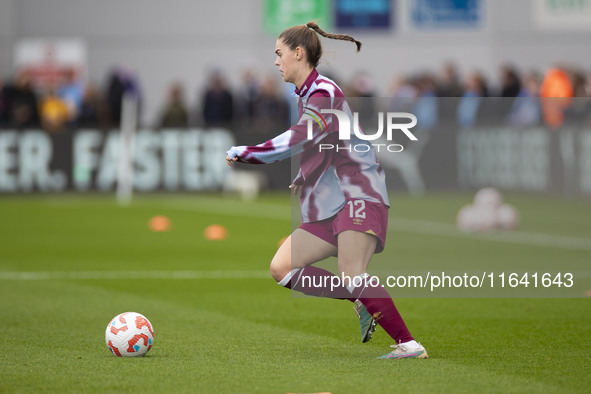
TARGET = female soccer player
x,y
344,201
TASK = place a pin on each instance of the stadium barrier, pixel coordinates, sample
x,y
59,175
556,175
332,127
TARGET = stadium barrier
x,y
86,160
453,152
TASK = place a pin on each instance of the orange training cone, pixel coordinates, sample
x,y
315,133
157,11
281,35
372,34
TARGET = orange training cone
x,y
215,232
159,223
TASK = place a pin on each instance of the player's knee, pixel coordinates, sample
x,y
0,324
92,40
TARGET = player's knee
x,y
279,268
281,263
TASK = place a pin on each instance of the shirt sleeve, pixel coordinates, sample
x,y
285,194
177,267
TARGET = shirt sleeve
x,y
312,127
299,179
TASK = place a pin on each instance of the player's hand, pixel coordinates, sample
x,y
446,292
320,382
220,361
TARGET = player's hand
x,y
231,161
295,188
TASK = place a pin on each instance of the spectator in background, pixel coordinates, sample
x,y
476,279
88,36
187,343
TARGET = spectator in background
x,y
469,105
121,82
245,98
449,84
556,92
580,107
94,111
403,87
175,113
426,106
403,92
587,93
531,85
509,89
71,92
53,111
449,88
270,111
478,85
21,102
510,83
578,81
557,98
3,110
525,110
363,87
217,103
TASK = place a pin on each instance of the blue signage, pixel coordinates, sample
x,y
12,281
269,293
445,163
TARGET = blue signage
x,y
367,14
447,13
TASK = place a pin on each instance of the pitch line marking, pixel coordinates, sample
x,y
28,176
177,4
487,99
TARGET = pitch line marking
x,y
126,275
516,237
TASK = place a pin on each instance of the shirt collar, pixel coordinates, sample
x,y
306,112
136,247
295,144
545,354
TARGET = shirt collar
x,y
309,81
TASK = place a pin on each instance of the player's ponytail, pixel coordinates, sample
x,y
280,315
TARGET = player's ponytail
x,y
306,37
332,36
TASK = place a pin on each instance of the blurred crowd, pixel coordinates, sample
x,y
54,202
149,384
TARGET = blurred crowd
x,y
260,104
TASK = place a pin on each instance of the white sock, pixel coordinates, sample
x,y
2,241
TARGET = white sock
x,y
289,276
360,281
411,344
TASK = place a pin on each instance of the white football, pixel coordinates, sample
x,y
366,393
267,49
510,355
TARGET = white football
x,y
467,219
488,197
129,334
476,219
507,217
487,218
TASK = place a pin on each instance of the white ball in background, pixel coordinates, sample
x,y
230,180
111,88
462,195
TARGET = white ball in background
x,y
487,213
507,217
487,218
467,219
488,197
475,219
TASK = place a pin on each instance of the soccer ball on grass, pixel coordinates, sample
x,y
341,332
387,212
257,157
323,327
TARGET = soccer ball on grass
x,y
129,334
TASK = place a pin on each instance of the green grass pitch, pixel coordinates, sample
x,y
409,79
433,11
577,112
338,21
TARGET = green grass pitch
x,y
70,263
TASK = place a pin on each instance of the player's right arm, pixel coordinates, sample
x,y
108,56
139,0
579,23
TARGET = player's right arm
x,y
290,143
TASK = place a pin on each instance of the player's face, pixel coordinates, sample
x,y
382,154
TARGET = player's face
x,y
286,61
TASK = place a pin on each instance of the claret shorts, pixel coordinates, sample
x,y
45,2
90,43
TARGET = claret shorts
x,y
359,215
